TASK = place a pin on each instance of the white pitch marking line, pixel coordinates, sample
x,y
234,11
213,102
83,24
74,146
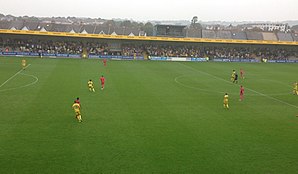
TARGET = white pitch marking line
x,y
23,86
13,76
220,92
272,98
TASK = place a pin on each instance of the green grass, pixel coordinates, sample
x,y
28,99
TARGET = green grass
x,y
152,117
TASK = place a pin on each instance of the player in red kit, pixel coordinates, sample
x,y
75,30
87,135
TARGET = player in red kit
x,y
78,100
102,80
241,93
242,73
104,62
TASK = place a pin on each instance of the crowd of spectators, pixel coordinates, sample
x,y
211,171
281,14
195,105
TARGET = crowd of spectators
x,y
38,46
132,50
221,52
158,50
277,54
97,48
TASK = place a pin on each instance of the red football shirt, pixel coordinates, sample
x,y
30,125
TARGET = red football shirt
x,y
102,79
104,62
78,101
241,72
242,90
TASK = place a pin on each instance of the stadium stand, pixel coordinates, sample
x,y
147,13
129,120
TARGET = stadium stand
x,y
162,49
208,34
254,35
240,35
224,34
77,26
284,37
228,52
276,53
269,36
98,48
174,50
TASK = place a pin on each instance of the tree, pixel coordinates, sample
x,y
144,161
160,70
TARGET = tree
x,y
194,19
140,25
194,23
148,28
110,23
126,23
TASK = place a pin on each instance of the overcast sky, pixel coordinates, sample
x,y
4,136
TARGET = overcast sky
x,y
139,10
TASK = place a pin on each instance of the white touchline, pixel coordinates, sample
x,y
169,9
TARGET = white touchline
x,y
13,76
272,98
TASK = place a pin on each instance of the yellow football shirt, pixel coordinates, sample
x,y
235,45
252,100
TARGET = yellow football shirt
x,y
23,62
76,107
226,99
90,84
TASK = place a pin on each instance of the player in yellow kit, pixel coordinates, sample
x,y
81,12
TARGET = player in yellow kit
x,y
76,107
295,89
233,76
24,63
226,101
90,86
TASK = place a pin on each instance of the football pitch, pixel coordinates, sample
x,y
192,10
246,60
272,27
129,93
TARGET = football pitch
x,y
152,117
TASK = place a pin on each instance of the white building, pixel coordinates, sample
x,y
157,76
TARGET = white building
x,y
272,27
